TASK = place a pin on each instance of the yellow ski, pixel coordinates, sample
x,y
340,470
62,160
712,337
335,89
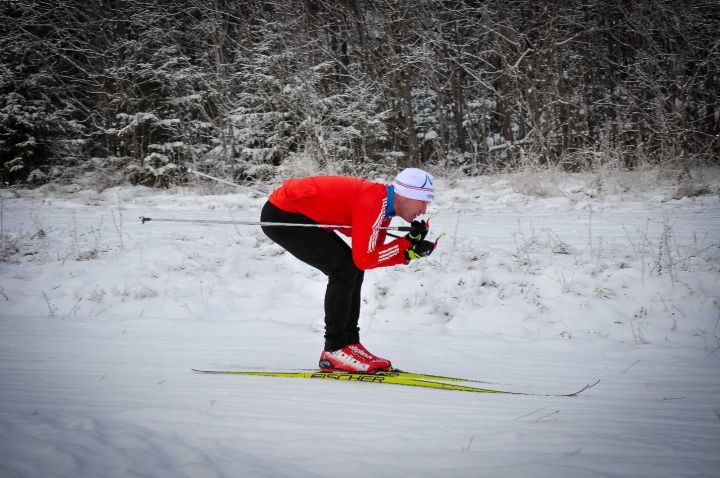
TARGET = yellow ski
x,y
394,377
387,377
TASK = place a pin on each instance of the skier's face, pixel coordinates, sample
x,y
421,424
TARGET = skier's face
x,y
409,209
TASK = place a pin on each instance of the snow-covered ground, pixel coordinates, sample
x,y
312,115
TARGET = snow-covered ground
x,y
544,283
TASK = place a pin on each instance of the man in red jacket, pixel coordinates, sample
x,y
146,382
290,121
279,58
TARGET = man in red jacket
x,y
366,207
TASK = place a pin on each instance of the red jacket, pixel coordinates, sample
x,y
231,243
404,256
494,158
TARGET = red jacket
x,y
346,201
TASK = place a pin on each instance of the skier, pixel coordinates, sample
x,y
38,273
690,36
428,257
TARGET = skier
x,y
366,207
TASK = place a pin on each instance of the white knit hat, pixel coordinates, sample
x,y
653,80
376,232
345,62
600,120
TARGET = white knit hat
x,y
415,183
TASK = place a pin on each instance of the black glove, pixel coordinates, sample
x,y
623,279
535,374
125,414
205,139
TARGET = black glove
x,y
420,249
418,231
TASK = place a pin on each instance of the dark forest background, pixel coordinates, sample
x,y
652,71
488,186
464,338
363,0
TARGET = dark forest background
x,y
137,90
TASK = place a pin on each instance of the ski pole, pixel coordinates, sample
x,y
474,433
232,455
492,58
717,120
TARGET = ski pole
x,y
144,219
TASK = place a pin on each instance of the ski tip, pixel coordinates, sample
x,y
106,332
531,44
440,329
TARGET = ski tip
x,y
586,387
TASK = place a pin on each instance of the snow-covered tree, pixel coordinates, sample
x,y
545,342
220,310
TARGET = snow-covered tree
x,y
142,88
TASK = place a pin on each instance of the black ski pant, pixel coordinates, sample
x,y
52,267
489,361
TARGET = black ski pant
x,y
325,251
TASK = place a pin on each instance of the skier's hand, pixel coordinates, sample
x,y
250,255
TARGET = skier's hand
x,y
420,249
418,231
